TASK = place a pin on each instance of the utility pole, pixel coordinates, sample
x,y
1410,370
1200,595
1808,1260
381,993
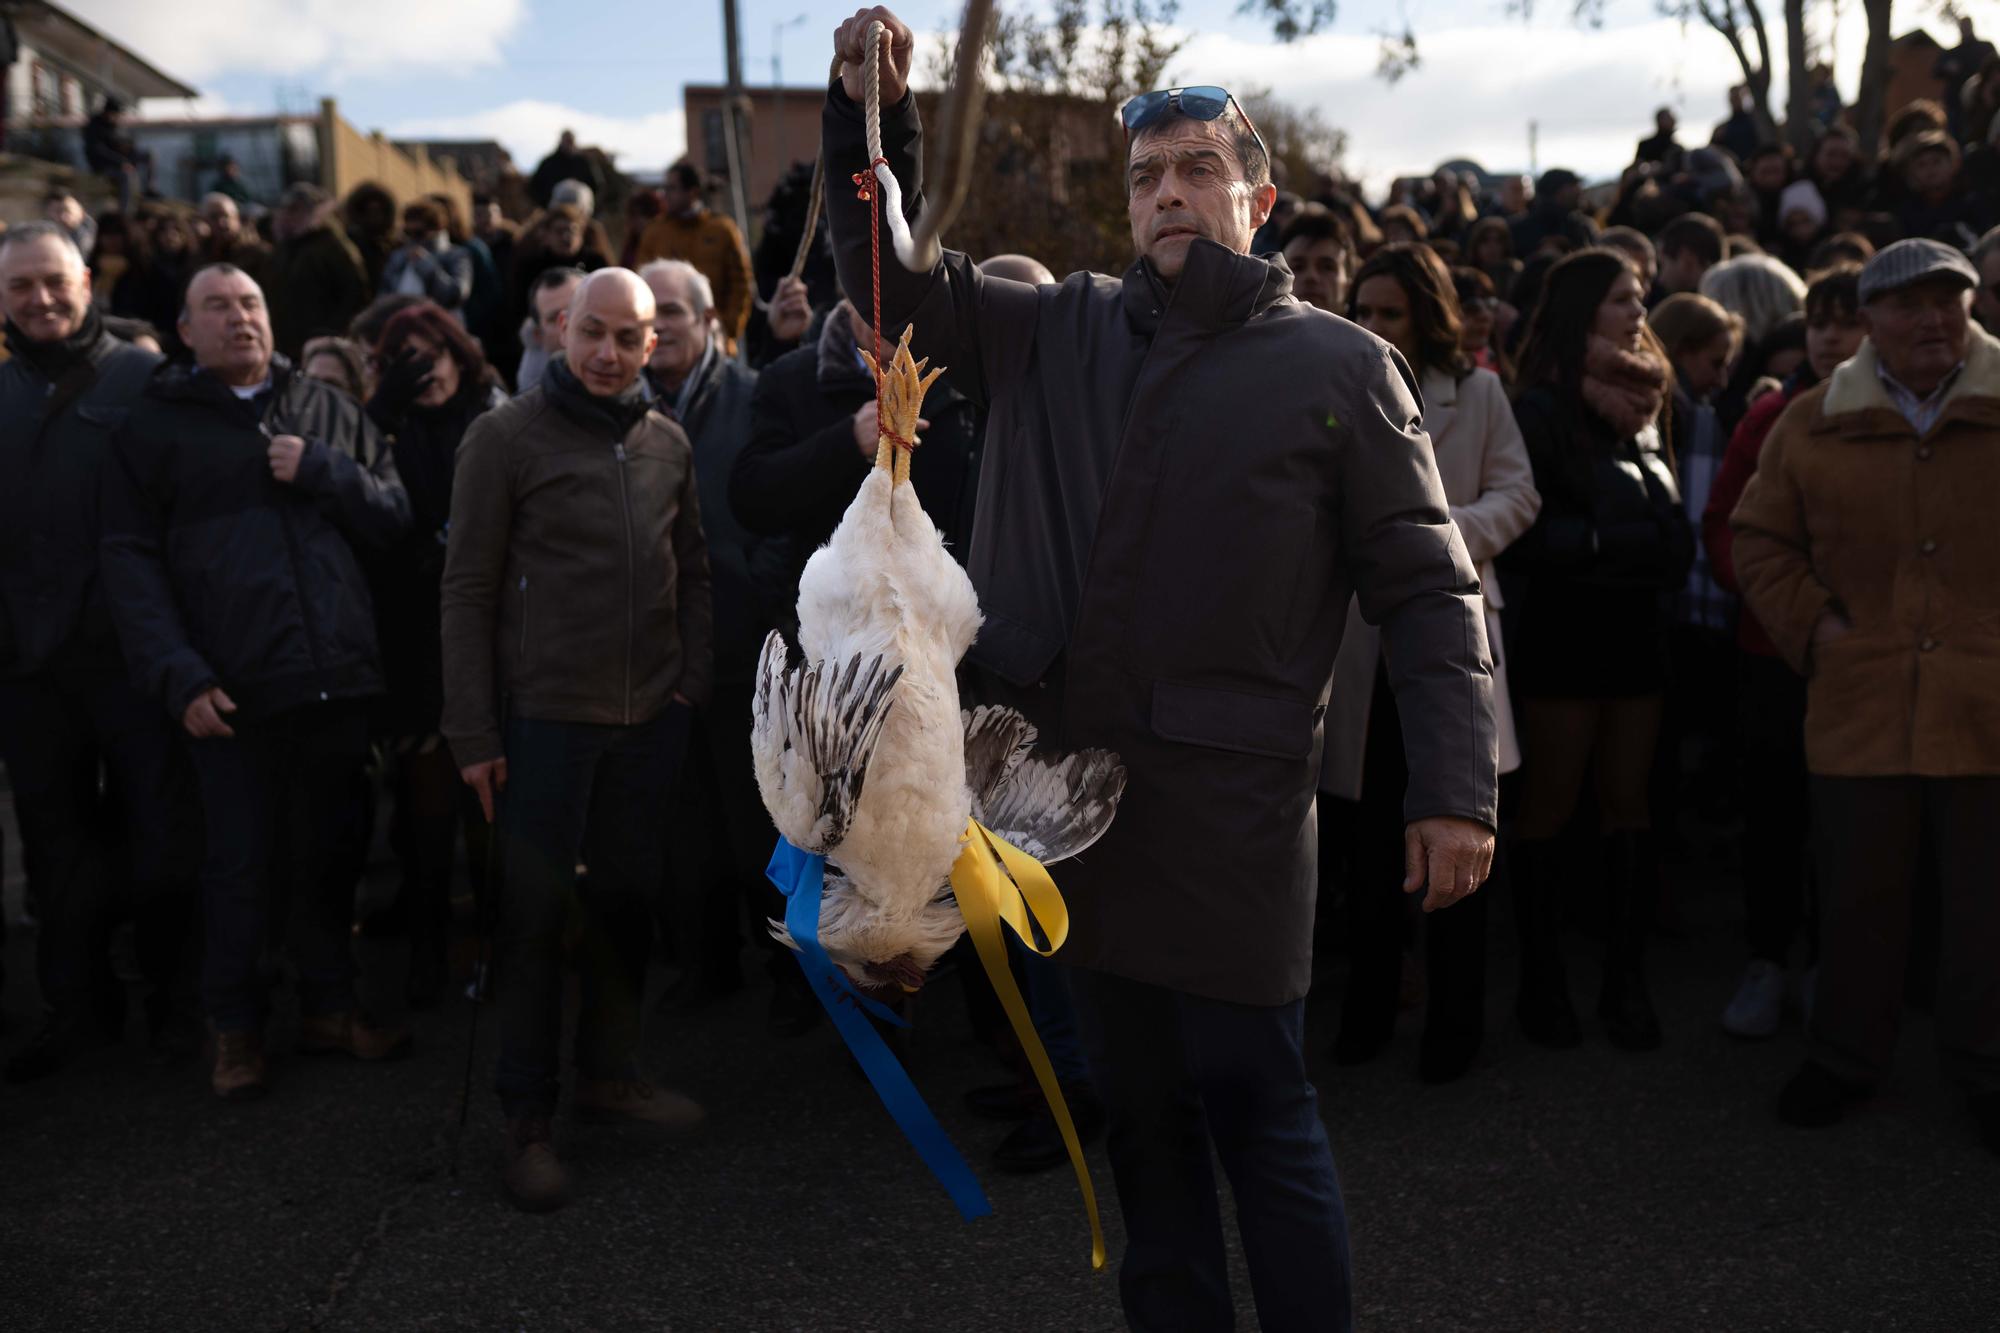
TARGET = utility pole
x,y
732,121
1534,150
778,87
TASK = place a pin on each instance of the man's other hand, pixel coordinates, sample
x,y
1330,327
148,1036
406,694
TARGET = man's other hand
x,y
791,310
284,455
486,779
1452,856
203,716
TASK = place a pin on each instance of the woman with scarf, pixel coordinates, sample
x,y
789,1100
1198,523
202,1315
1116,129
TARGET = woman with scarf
x,y
432,384
1404,295
1595,577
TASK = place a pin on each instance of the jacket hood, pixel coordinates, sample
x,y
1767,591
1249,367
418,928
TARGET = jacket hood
x,y
1856,384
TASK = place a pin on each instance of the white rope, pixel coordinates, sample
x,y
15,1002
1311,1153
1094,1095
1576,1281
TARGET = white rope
x,y
892,192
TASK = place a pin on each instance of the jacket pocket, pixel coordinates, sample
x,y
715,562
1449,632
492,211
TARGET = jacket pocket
x,y
1227,720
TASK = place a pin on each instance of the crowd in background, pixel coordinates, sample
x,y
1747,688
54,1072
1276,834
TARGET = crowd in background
x,y
1600,372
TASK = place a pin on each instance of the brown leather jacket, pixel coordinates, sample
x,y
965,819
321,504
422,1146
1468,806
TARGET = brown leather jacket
x,y
576,575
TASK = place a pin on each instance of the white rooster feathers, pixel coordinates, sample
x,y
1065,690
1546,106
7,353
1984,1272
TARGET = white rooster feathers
x,y
862,754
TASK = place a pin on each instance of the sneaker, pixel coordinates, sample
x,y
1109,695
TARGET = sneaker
x,y
351,1034
1816,1097
600,1100
238,1075
1760,999
530,1171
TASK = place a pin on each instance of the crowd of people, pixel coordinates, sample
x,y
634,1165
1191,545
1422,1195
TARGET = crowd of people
x,y
375,500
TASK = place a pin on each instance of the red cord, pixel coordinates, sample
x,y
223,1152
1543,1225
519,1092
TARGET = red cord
x,y
865,189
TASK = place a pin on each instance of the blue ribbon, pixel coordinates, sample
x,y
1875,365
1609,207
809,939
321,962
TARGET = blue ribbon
x,y
800,875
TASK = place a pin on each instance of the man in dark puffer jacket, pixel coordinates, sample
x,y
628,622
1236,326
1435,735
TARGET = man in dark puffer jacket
x,y
229,525
67,709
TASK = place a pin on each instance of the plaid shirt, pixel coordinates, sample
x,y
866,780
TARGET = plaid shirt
x,y
1702,601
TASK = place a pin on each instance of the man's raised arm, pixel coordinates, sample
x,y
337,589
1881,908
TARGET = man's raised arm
x,y
981,329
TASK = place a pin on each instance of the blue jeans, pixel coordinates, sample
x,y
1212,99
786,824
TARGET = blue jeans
x,y
1177,1072
577,792
273,797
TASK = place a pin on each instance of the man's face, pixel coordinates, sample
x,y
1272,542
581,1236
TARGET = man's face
x,y
227,327
608,334
1767,173
486,219
1665,122
221,216
44,288
65,212
1681,270
550,302
1920,330
677,198
1834,157
1832,337
1986,304
1929,173
682,335
1319,272
1186,181
287,223
1515,194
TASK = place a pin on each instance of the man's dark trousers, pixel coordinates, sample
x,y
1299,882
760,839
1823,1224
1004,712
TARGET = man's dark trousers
x,y
59,728
1177,1072
274,796
578,792
1870,834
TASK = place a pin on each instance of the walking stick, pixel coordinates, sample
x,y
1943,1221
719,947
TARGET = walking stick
x,y
482,911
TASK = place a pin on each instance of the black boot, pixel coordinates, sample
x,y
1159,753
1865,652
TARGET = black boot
x,y
1543,1007
1631,888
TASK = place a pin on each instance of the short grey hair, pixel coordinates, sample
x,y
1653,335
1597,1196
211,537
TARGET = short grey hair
x,y
1758,289
575,192
218,197
225,269
699,291
24,233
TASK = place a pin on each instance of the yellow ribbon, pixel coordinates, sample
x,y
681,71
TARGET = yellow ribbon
x,y
996,881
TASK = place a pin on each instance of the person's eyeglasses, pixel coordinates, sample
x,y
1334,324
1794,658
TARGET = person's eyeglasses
x,y
1203,102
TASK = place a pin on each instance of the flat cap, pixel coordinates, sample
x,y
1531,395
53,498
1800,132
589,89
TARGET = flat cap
x,y
1905,262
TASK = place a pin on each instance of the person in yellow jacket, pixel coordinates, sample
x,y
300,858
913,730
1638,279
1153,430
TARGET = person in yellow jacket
x,y
689,230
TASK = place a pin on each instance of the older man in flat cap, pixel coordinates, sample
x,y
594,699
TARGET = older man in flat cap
x,y
1867,546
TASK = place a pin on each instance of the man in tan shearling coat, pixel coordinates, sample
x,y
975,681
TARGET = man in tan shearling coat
x,y
1867,546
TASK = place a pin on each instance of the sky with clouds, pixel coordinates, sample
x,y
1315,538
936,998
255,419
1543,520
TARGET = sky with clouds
x,y
520,70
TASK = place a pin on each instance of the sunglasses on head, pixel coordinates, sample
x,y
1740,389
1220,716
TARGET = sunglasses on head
x,y
1204,102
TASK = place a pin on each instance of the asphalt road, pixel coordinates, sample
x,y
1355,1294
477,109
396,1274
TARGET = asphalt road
x,y
1546,1191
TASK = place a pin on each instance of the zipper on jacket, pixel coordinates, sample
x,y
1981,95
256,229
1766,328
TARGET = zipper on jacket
x,y
524,620
631,573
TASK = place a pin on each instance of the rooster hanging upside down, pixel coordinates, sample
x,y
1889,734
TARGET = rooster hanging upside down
x,y
862,753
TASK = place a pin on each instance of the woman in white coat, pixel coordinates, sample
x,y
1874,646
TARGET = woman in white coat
x,y
1404,295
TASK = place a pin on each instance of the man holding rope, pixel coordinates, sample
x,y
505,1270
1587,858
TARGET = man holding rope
x,y
1188,473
